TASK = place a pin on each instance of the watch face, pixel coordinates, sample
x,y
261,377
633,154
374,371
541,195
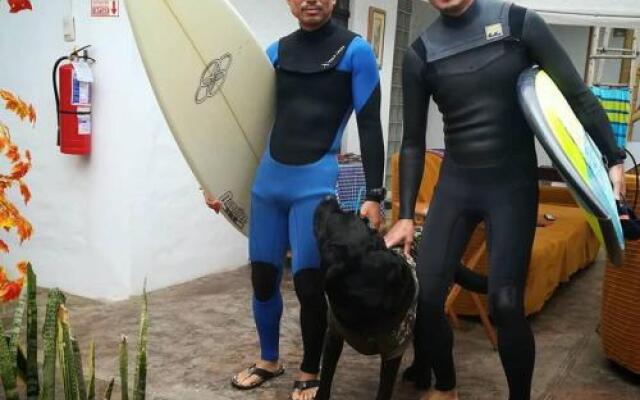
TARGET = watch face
x,y
378,193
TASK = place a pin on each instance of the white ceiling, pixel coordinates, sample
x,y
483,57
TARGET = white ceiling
x,y
616,13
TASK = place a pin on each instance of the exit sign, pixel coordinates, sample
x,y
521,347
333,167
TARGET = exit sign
x,y
105,8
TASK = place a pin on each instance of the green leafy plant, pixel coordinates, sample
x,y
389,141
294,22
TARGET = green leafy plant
x,y
60,346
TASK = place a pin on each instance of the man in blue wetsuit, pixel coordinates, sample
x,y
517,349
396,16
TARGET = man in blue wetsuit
x,y
469,61
323,74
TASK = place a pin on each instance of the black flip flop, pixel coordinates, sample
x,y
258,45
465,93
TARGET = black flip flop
x,y
305,385
263,374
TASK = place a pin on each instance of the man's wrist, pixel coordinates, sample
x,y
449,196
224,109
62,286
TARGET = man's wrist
x,y
378,195
618,158
406,215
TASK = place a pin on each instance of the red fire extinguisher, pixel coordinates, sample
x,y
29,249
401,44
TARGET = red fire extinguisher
x,y
73,101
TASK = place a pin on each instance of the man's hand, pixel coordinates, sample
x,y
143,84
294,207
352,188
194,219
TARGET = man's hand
x,y
401,233
616,174
371,211
212,202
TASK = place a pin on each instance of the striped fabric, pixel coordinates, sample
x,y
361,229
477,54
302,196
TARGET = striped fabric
x,y
351,186
616,102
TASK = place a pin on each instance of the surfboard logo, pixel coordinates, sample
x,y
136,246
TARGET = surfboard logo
x,y
236,214
212,78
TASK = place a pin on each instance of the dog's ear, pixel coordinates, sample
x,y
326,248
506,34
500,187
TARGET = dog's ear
x,y
325,209
333,260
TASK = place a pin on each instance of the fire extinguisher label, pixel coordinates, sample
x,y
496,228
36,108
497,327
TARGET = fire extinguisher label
x,y
81,84
83,71
84,122
80,92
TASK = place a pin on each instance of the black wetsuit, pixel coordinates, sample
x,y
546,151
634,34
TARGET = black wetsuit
x,y
470,65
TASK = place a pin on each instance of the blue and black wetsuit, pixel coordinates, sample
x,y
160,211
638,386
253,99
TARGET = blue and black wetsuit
x,y
470,66
322,77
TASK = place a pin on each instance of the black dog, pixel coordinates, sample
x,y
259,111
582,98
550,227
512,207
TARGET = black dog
x,y
372,293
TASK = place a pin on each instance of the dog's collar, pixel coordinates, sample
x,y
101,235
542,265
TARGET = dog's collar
x,y
408,259
405,328
409,264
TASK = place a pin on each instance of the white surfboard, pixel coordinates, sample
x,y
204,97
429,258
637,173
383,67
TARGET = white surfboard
x,y
216,88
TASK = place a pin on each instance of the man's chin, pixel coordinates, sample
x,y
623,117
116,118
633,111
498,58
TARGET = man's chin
x,y
314,21
453,9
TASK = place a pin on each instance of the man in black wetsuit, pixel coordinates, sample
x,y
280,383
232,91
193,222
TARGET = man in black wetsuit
x,y
469,61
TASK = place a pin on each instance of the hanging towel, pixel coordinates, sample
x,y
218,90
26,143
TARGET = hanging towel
x,y
616,102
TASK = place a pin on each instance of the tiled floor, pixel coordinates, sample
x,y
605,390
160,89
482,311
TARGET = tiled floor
x,y
202,332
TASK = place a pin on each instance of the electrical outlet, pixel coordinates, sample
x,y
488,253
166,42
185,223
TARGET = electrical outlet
x,y
69,29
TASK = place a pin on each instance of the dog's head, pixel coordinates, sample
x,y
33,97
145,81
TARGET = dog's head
x,y
344,233
368,285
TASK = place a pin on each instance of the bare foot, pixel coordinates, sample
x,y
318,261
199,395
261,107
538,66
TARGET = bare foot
x,y
438,395
248,379
308,394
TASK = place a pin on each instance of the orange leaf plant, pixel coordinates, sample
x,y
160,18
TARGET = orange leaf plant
x,y
19,5
11,219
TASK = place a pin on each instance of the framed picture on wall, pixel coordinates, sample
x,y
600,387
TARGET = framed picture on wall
x,y
375,32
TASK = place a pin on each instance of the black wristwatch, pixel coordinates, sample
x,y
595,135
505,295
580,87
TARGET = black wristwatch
x,y
377,194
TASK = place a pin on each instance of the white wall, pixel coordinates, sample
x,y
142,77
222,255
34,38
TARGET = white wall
x,y
618,13
132,209
423,15
269,20
358,23
575,40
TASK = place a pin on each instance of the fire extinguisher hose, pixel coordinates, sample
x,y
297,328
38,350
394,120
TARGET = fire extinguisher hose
x,y
55,92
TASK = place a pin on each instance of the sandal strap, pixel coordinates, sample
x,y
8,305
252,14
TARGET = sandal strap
x,y
304,385
263,373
